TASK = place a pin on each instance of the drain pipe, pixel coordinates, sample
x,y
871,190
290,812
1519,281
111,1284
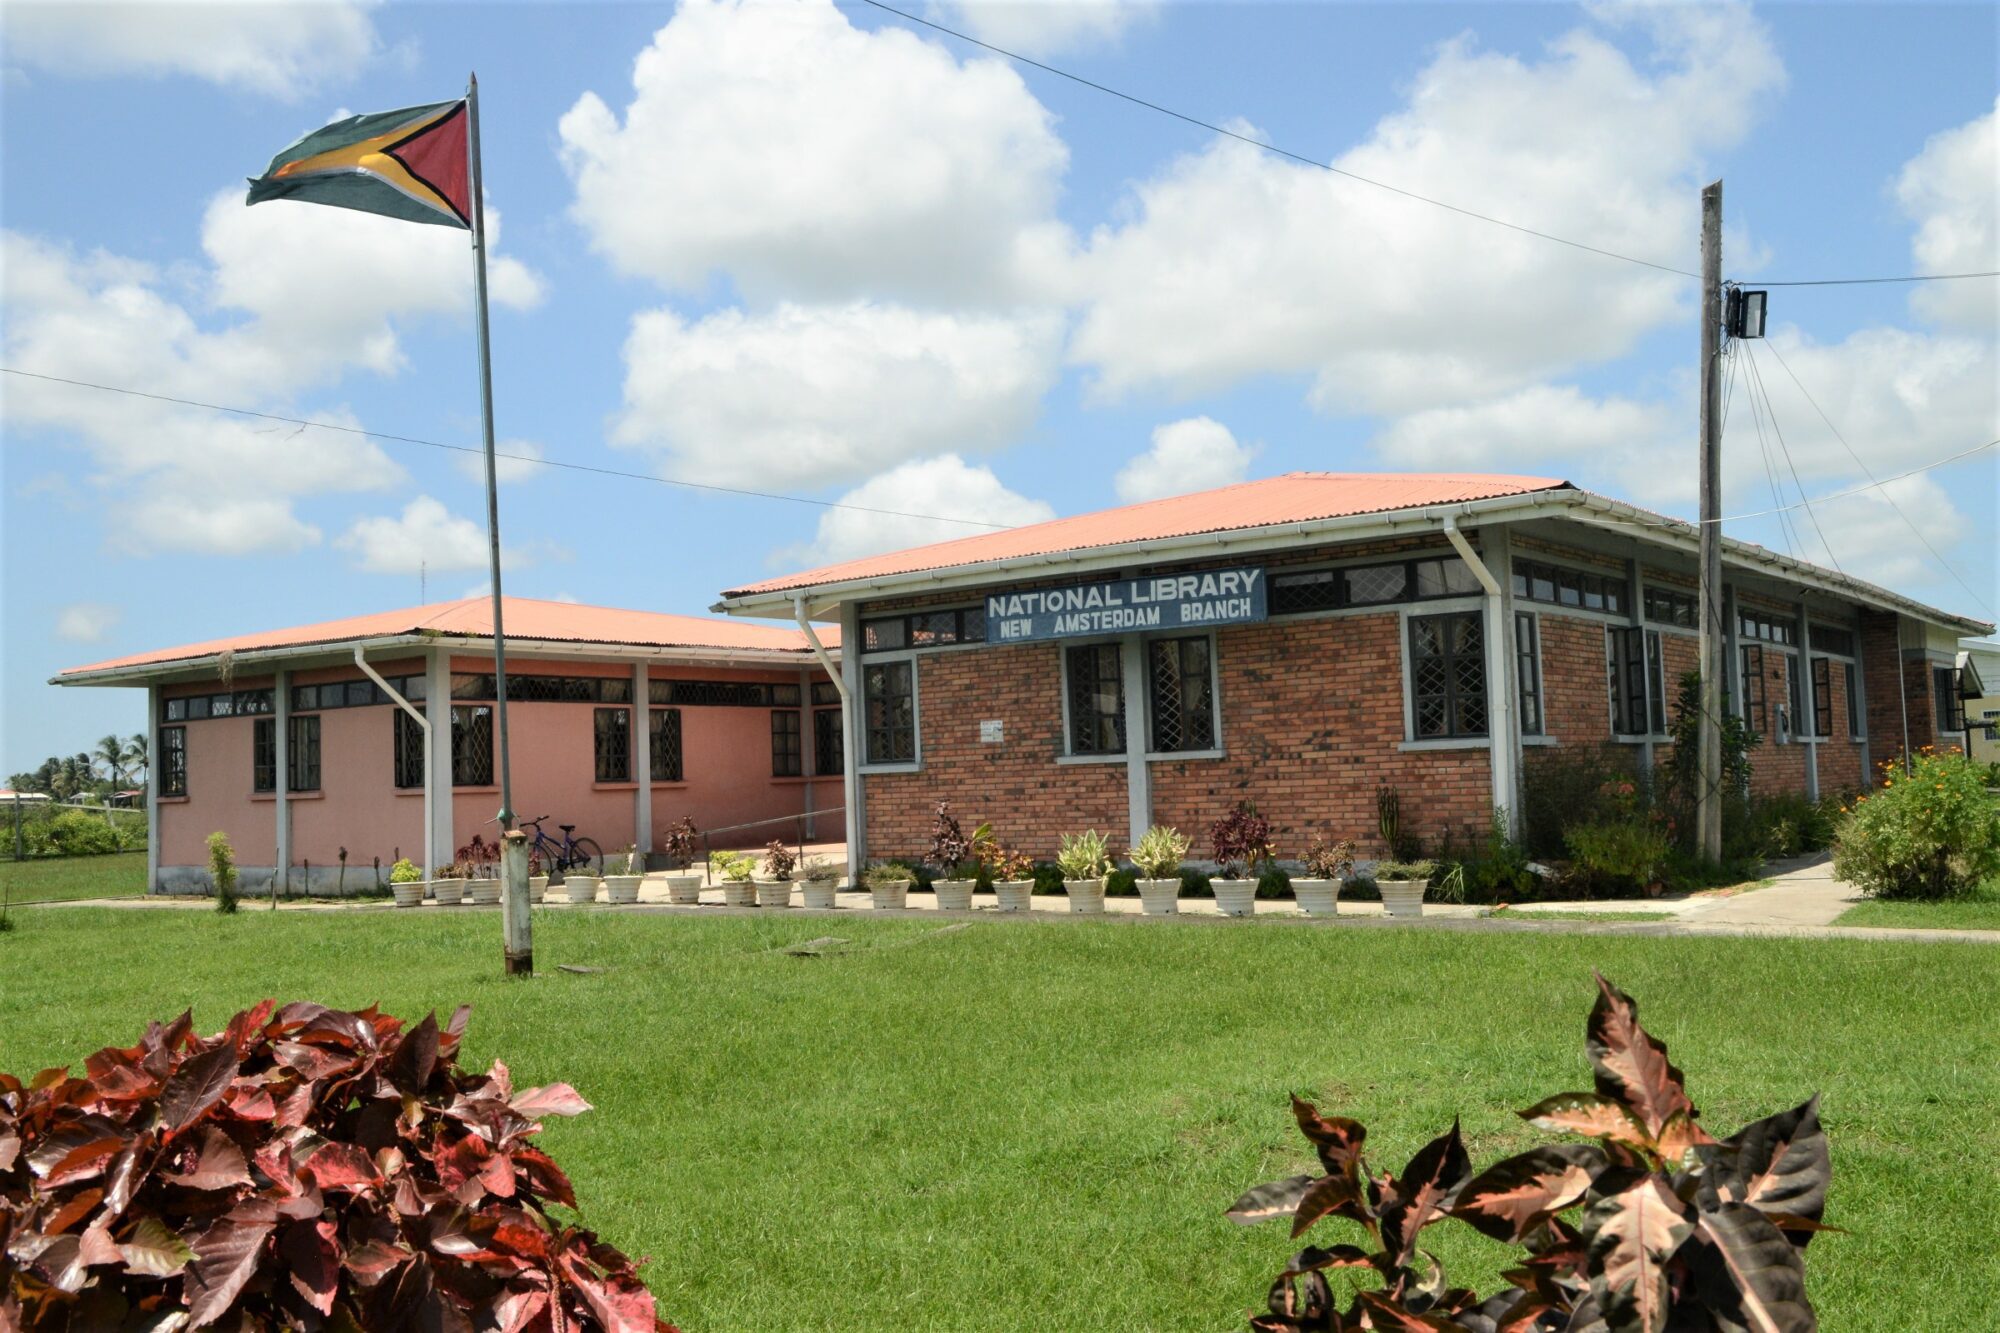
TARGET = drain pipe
x,y
850,774
395,696
1503,748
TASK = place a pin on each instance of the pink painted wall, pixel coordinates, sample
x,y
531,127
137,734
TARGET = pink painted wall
x,y
726,760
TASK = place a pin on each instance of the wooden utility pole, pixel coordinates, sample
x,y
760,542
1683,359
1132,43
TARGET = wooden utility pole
x,y
1708,790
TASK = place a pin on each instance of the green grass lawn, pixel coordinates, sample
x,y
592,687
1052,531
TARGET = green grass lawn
x,y
1514,914
1981,911
61,879
1036,1125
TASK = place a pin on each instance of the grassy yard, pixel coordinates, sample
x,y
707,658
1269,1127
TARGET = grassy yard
x,y
62,879
1037,1124
1981,911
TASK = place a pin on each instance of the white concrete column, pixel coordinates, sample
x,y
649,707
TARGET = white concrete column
x,y
1804,729
153,757
281,805
854,737
642,759
438,843
1138,730
808,749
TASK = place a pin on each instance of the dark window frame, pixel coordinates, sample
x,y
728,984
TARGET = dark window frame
x,y
930,627
1947,701
1630,679
1528,672
1766,627
1822,697
1857,718
472,745
788,739
1833,640
407,760
173,760
664,692
1569,587
611,745
1178,654
1670,606
1456,694
302,752
1091,671
889,712
664,744
264,754
1304,592
829,742
1753,709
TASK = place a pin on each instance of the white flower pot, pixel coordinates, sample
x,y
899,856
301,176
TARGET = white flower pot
x,y
1235,897
1085,895
538,888
890,896
410,894
820,893
953,895
448,892
1015,895
774,893
738,893
580,888
684,890
622,888
1160,897
482,892
1402,897
1317,897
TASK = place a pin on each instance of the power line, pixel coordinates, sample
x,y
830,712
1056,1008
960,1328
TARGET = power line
x,y
1274,149
1757,379
303,423
1908,522
1863,282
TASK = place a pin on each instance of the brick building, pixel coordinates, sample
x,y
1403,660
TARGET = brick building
x,y
1307,640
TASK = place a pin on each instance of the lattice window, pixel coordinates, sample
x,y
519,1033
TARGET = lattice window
x,y
664,728
1447,676
264,754
1752,670
1445,578
829,743
173,761
717,693
787,744
613,730
1096,684
1377,583
888,690
1528,671
1309,590
825,694
409,751
302,754
472,686
471,746
1182,692
924,629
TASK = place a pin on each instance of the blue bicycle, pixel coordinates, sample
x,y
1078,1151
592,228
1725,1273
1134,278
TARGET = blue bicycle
x,y
570,854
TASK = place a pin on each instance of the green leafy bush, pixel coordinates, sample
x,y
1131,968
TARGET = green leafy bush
x,y
406,871
1566,785
1121,884
1159,852
74,833
1788,823
222,870
1619,854
1932,833
1650,1225
1085,855
1195,884
1275,882
1495,870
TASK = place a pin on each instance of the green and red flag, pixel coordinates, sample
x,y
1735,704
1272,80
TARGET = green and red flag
x,y
408,164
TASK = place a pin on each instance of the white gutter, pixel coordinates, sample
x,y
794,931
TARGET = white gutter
x,y
1502,741
424,721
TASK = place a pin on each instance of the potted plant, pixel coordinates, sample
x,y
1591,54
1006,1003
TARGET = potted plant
x,y
1084,860
579,885
1326,865
683,885
623,888
774,886
735,869
1402,885
1157,857
406,881
1013,875
958,859
538,878
888,885
820,881
1242,843
448,889
482,883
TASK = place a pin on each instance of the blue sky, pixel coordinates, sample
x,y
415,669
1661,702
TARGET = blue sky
x,y
818,250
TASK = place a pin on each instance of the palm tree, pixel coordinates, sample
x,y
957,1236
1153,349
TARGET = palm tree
x,y
138,759
111,751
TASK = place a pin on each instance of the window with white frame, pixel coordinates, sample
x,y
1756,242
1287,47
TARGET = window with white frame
x,y
1635,670
889,709
1528,671
1094,688
1448,676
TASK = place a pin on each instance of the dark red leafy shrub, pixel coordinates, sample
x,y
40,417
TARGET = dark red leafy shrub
x,y
305,1168
1654,1228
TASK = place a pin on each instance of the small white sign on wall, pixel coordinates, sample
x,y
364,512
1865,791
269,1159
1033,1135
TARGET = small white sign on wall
x,y
991,732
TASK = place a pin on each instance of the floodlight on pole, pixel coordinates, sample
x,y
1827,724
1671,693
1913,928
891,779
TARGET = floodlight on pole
x,y
1746,313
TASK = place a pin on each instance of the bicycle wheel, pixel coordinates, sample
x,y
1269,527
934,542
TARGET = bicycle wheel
x,y
585,854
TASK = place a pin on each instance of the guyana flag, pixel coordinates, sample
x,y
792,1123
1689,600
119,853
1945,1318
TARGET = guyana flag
x,y
408,164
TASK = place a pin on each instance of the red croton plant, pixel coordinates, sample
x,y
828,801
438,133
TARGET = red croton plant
x,y
305,1168
1654,1228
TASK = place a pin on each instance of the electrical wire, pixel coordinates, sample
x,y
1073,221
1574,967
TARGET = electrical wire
x,y
1785,450
1274,149
1786,532
302,423
1908,522
1866,282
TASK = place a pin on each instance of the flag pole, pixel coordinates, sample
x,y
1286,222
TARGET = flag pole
x,y
519,942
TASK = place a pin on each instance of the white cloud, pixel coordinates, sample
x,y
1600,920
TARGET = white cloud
x,y
946,486
86,622
1951,190
1872,540
510,462
281,49
425,537
1235,263
1516,431
1048,27
293,298
808,396
814,161
1193,454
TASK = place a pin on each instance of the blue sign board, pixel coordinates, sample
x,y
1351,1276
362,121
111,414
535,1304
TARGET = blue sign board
x,y
1157,602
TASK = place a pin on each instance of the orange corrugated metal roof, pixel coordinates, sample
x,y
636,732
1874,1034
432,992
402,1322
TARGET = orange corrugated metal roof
x,y
1295,497
526,618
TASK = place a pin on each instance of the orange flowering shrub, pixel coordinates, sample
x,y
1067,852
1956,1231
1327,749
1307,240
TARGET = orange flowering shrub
x,y
1931,833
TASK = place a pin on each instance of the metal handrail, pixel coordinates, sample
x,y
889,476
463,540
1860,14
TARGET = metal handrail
x,y
798,839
